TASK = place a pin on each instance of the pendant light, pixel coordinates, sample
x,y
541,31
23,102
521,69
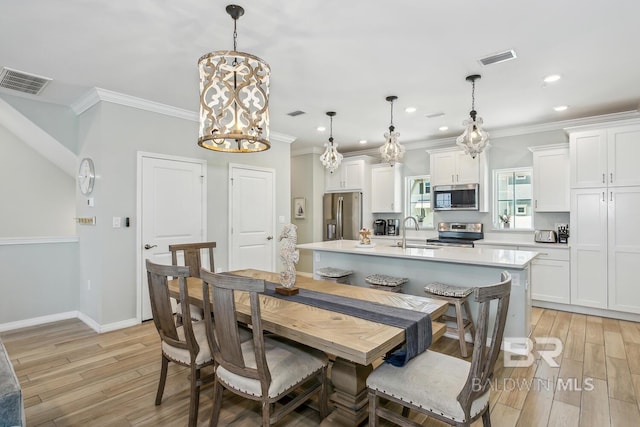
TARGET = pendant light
x,y
234,98
391,151
474,139
331,159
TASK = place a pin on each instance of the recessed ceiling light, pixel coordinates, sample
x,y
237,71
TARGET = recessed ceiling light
x,y
363,141
434,115
321,128
552,78
410,109
443,128
560,107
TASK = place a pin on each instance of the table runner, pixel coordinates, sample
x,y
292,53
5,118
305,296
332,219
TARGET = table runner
x,y
416,324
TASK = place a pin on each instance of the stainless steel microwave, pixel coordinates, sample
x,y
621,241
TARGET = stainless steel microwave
x,y
463,197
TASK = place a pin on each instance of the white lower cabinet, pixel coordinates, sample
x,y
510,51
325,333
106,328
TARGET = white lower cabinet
x,y
550,275
550,272
605,248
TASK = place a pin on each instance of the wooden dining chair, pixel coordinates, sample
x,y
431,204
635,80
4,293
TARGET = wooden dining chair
x,y
184,345
192,255
265,369
441,386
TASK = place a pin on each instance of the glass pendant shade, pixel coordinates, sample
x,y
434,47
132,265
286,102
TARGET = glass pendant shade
x,y
331,159
234,99
474,139
391,151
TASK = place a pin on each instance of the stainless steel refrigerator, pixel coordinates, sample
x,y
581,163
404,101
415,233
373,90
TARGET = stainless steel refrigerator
x,y
342,216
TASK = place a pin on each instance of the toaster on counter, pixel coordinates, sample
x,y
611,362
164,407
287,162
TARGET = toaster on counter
x,y
546,236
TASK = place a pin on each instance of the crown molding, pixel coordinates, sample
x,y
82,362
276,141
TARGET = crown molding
x,y
306,150
281,137
96,94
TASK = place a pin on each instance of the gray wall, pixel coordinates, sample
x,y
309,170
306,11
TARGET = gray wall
x,y
307,180
37,197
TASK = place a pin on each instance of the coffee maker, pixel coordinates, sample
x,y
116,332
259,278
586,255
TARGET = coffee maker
x,y
393,227
563,233
379,227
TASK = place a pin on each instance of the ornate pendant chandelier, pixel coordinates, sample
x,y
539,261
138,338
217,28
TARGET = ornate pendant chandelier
x,y
474,139
331,159
391,151
234,98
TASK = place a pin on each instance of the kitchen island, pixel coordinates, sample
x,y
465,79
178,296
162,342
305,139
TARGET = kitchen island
x,y
422,265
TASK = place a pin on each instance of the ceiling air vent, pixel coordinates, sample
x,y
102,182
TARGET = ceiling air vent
x,y
434,115
498,57
296,113
22,82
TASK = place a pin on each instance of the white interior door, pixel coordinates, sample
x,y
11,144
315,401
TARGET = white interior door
x,y
252,214
172,210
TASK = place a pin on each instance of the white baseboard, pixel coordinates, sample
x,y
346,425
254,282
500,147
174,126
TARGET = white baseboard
x,y
631,317
69,315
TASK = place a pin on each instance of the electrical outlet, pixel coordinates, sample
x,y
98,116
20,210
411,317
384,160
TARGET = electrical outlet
x,y
117,222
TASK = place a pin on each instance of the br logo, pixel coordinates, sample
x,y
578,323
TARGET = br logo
x,y
520,352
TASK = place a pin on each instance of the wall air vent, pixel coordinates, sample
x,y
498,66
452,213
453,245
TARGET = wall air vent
x,y
498,57
22,82
296,113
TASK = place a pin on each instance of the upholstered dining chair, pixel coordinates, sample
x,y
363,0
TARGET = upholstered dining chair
x,y
192,255
184,345
445,387
265,369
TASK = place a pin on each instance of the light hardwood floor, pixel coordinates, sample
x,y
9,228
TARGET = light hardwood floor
x,y
71,376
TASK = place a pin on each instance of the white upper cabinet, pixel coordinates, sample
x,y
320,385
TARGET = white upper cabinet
x,y
605,157
453,166
350,176
551,178
386,188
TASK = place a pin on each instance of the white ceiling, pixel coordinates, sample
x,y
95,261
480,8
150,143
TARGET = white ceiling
x,y
345,56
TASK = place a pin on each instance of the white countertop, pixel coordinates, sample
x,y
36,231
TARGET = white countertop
x,y
505,258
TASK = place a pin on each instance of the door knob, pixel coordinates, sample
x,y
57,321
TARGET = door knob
x,y
148,246
269,237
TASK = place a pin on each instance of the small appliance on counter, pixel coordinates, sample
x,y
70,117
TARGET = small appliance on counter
x,y
546,236
393,227
563,234
457,234
379,227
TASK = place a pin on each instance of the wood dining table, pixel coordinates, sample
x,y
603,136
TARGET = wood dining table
x,y
355,343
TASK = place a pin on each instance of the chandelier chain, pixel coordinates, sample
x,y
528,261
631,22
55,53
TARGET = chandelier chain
x,y
235,35
473,94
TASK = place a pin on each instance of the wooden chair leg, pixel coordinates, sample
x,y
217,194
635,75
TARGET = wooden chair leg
x,y
486,418
195,397
266,414
373,406
163,379
470,317
217,404
323,397
461,333
405,411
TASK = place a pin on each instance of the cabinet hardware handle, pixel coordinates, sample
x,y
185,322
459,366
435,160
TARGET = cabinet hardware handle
x,y
611,177
603,179
452,178
269,237
457,178
148,246
536,203
603,196
611,196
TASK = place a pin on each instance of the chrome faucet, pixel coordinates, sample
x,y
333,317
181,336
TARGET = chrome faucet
x,y
404,229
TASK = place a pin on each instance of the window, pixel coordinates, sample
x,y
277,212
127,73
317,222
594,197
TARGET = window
x,y
418,199
512,199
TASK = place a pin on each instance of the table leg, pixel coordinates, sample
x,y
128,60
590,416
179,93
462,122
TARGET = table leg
x,y
350,394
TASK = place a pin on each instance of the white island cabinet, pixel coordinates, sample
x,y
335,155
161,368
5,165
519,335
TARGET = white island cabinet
x,y
456,266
